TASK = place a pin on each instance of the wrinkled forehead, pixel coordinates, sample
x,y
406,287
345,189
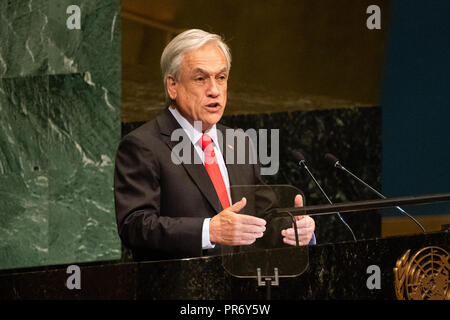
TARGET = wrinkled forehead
x,y
208,59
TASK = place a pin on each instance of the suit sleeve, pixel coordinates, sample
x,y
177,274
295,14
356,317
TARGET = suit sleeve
x,y
137,196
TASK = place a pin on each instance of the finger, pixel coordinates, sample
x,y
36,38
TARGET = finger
x,y
301,238
304,238
237,235
237,206
247,228
298,201
291,233
251,220
247,237
253,235
294,243
244,239
244,242
305,221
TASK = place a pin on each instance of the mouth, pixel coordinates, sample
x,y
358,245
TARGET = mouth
x,y
213,106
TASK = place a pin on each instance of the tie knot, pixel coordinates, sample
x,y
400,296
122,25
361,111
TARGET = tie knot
x,y
205,141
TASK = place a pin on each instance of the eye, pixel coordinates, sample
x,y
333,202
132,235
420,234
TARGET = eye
x,y
199,79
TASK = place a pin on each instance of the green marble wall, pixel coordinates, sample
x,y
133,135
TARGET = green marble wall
x,y
59,127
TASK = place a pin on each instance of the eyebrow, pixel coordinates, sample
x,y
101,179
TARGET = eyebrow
x,y
200,70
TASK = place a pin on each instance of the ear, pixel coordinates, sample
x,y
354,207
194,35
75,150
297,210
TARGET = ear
x,y
171,87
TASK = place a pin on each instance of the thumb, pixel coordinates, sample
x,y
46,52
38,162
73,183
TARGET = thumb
x,y
298,201
237,206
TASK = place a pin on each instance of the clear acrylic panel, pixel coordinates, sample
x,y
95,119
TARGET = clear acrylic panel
x,y
268,252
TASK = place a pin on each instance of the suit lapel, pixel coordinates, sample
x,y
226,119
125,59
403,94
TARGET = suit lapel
x,y
196,170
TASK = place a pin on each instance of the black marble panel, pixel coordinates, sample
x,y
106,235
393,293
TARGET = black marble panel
x,y
100,280
336,271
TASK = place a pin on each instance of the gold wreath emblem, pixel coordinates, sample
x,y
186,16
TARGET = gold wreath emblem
x,y
423,277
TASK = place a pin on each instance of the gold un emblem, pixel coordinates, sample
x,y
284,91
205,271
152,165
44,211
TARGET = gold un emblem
x,y
423,277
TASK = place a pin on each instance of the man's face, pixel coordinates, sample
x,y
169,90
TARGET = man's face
x,y
201,90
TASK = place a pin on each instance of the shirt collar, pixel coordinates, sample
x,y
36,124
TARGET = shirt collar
x,y
194,133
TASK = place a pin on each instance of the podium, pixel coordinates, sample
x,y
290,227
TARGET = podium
x,y
401,267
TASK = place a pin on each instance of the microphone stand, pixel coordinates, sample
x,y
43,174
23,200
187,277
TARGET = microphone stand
x,y
303,164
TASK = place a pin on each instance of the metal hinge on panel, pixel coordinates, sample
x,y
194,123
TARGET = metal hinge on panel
x,y
273,280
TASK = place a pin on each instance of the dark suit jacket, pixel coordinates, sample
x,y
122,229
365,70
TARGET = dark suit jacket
x,y
161,206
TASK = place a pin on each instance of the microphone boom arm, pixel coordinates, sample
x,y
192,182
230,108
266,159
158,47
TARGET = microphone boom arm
x,y
338,165
317,210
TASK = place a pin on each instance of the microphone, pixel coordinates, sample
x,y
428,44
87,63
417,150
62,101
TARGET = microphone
x,y
302,162
335,163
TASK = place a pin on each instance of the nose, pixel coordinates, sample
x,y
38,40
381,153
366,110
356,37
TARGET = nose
x,y
213,90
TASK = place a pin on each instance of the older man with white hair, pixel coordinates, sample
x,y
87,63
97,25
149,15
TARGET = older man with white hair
x,y
167,210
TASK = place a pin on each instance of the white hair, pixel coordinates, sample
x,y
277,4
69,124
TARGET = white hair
x,y
192,39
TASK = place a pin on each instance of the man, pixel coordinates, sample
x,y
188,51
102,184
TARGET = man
x,y
167,210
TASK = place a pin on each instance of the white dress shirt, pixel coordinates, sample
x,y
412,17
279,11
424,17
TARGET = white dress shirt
x,y
194,135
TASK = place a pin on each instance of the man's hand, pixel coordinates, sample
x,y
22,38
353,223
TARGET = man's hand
x,y
230,228
305,227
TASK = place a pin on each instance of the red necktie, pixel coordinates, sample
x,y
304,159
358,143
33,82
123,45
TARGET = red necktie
x,y
213,170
